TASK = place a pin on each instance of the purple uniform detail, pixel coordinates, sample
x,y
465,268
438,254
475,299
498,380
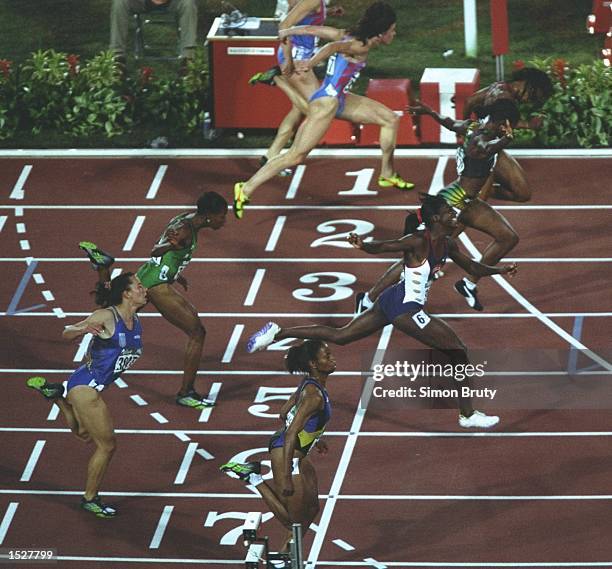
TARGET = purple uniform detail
x,y
339,77
303,47
108,359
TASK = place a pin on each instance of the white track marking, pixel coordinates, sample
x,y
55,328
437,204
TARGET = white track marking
x,y
48,295
116,272
83,347
157,180
38,278
181,475
159,417
7,519
24,244
161,527
347,452
373,563
21,227
59,313
3,219
32,461
18,192
232,344
343,544
205,454
295,182
437,180
120,383
138,400
182,437
212,395
275,234
254,288
133,235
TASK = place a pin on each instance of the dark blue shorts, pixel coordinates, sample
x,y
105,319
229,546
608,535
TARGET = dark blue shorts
x,y
391,302
82,376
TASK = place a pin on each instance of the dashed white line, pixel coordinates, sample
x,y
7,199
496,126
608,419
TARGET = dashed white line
x,y
161,527
376,564
21,227
120,383
38,278
3,219
254,288
182,437
18,212
343,544
18,191
24,244
48,295
156,183
212,396
32,461
276,233
133,235
159,417
7,519
204,453
232,344
138,400
295,182
181,475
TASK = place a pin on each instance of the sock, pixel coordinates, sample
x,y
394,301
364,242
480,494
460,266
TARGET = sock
x,y
255,479
367,301
469,284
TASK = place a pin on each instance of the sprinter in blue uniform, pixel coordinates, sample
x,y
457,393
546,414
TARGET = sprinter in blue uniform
x,y
293,495
116,345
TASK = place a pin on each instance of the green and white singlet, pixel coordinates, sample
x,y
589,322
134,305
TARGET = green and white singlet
x,y
165,269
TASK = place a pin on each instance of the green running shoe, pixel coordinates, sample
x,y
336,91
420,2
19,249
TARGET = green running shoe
x,y
97,508
47,390
97,257
265,77
241,470
194,400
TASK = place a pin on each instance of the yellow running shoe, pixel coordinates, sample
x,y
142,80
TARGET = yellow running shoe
x,y
240,200
395,180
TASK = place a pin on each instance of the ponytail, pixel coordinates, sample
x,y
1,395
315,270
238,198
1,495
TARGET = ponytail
x,y
430,206
111,293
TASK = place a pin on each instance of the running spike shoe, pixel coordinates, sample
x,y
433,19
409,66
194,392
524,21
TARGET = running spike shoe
x,y
240,200
470,295
194,400
395,180
47,390
97,508
241,470
97,257
263,338
266,77
478,420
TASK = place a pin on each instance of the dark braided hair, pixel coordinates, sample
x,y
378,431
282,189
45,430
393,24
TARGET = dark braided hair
x,y
211,202
298,357
430,206
538,84
502,110
111,293
376,20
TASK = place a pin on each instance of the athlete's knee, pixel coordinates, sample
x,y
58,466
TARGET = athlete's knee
x,y
296,156
107,445
197,330
509,238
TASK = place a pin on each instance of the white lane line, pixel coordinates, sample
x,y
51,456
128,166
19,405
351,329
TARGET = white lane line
x,y
181,475
21,227
120,383
3,219
212,396
504,284
376,564
182,437
254,288
47,295
157,180
131,239
232,344
59,312
83,347
138,400
38,278
55,410
204,453
19,211
347,452
159,417
24,244
18,192
295,182
343,544
32,461
7,519
437,180
275,234
161,527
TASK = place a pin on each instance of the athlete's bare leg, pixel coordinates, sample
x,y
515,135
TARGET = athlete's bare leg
x,y
511,182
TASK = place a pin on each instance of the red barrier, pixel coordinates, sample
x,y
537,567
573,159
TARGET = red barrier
x,y
600,21
499,26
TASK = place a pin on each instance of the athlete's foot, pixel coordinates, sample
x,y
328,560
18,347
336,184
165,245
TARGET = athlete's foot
x,y
263,338
194,400
362,303
265,77
478,420
97,508
49,391
395,180
467,289
240,200
285,172
97,257
244,471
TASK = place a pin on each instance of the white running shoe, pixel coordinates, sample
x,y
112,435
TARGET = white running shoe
x,y
478,420
263,338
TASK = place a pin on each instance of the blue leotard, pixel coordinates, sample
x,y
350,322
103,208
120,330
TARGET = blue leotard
x,y
303,47
108,358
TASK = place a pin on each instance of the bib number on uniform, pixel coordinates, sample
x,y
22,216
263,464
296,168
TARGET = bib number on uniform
x,y
421,319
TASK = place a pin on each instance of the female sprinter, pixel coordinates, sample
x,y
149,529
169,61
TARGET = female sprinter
x,y
293,496
117,344
347,53
403,304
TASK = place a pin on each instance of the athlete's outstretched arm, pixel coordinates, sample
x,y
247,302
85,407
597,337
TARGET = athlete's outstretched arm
x,y
482,147
298,13
474,267
404,244
174,238
97,323
460,127
324,32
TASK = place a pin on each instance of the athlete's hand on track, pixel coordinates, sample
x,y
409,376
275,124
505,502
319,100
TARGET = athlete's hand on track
x,y
355,240
321,447
509,270
180,279
288,489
